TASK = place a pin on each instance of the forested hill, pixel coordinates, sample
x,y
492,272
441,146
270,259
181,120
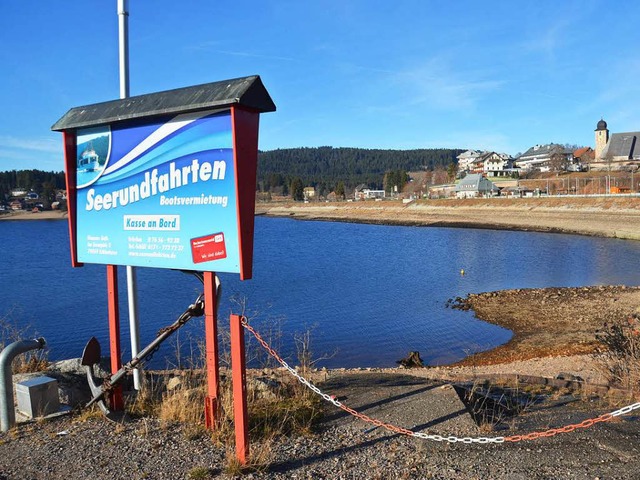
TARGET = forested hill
x,y
41,182
327,166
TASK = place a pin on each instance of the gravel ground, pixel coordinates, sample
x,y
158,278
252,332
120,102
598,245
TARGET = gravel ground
x,y
342,447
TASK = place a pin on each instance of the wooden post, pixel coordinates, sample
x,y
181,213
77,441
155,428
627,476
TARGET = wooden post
x,y
211,350
115,400
238,374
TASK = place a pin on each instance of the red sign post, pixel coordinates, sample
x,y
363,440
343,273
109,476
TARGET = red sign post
x,y
166,180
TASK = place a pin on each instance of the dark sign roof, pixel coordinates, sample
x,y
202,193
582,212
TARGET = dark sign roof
x,y
247,91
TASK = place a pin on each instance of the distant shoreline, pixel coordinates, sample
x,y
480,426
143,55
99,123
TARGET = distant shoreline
x,y
26,215
612,217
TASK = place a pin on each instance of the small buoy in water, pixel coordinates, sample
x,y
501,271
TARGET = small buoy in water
x,y
462,272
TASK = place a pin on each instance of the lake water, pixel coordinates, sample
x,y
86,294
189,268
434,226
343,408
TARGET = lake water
x,y
368,293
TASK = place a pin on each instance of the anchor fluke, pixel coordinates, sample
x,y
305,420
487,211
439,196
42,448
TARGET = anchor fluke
x,y
90,357
91,353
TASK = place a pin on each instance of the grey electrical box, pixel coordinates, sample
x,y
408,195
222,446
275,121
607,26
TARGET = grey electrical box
x,y
38,397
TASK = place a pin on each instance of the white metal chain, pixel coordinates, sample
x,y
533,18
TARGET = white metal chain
x,y
436,438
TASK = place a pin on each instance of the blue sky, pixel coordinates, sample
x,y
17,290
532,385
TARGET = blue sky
x,y
500,75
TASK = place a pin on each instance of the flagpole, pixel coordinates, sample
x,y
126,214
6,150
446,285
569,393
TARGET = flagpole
x,y
132,290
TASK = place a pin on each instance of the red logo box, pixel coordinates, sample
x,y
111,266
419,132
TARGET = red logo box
x,y
208,248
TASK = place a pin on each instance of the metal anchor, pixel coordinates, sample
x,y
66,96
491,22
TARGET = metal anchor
x,y
92,353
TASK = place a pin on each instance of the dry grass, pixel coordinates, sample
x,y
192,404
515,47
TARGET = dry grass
x,y
89,413
619,355
32,361
276,408
258,462
200,473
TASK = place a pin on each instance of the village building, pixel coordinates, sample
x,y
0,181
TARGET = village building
x,y
332,197
309,193
582,158
617,151
476,185
467,159
498,165
362,192
489,163
545,158
477,166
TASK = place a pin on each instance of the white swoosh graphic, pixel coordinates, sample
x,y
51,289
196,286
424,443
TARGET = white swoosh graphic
x,y
164,131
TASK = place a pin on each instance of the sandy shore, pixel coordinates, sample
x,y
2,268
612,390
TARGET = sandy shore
x,y
617,217
24,215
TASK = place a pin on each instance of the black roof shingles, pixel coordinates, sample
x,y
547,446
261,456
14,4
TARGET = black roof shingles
x,y
246,91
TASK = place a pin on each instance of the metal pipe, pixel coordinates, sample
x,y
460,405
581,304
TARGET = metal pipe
x,y
7,409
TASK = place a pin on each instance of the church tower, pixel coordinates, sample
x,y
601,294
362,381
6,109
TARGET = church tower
x,y
602,137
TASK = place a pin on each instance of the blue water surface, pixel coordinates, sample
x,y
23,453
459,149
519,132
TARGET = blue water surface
x,y
368,293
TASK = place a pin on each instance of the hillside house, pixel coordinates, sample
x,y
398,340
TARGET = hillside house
x,y
582,158
498,165
475,185
309,193
545,158
362,192
467,159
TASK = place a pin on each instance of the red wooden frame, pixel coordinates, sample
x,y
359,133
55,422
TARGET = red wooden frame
x,y
70,154
244,127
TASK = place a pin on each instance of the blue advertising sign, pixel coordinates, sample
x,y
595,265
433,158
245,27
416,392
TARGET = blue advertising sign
x,y
159,193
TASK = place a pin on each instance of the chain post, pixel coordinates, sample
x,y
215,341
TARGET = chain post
x,y
211,350
239,376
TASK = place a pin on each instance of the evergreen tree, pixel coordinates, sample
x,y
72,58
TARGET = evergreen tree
x,y
297,189
452,170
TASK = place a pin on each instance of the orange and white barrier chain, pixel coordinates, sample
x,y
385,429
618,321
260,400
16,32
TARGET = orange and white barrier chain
x,y
436,438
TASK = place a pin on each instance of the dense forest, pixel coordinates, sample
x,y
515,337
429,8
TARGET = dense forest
x,y
328,168
43,183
